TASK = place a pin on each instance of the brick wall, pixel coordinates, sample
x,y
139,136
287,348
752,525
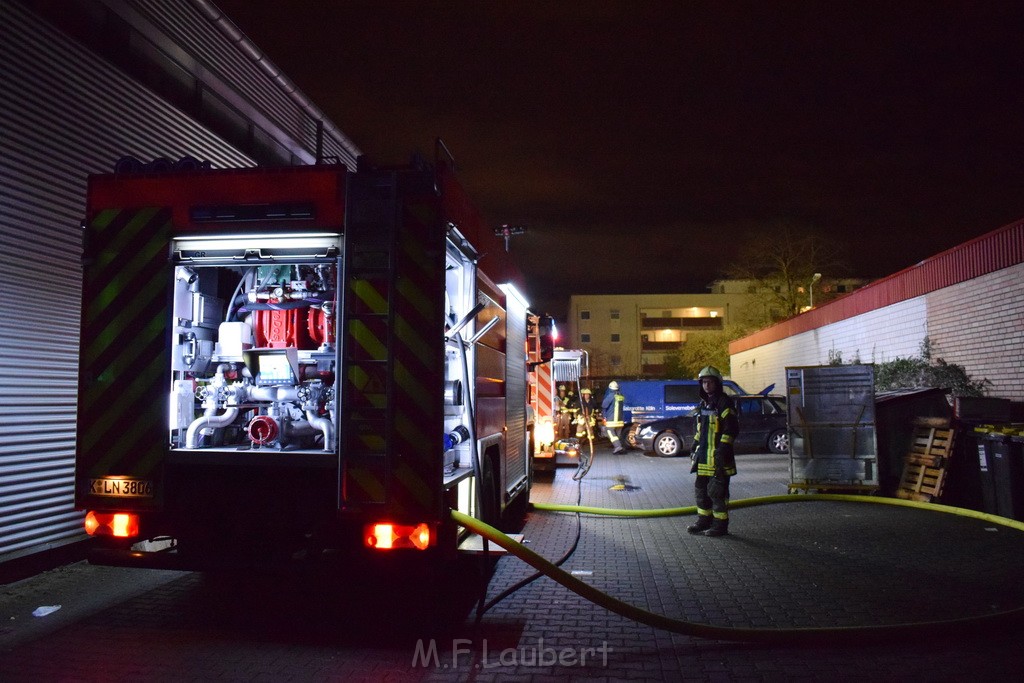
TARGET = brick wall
x,y
876,336
978,324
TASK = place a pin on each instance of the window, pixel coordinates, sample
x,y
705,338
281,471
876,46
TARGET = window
x,y
584,315
616,338
614,314
615,361
750,407
584,338
682,393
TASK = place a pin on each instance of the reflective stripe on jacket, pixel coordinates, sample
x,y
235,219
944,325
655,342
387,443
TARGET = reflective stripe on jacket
x,y
614,411
717,427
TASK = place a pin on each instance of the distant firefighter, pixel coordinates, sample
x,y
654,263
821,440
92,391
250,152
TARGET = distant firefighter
x,y
567,409
613,410
587,418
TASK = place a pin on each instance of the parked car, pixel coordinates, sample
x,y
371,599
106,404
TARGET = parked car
x,y
656,399
762,427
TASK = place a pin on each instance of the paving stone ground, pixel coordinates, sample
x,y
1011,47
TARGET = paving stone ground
x,y
801,564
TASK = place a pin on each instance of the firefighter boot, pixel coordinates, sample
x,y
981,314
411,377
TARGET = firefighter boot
x,y
702,525
719,527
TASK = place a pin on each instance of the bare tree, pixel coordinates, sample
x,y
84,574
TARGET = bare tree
x,y
780,263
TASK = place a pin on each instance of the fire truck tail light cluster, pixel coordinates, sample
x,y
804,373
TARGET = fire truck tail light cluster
x,y
117,524
385,536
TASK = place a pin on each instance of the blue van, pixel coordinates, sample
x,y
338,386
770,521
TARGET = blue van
x,y
656,399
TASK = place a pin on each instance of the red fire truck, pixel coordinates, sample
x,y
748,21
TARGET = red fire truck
x,y
279,360
567,367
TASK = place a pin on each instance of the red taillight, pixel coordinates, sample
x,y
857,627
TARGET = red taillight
x,y
116,524
385,536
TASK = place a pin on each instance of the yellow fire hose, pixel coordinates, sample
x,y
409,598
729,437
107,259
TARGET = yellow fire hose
x,y
775,636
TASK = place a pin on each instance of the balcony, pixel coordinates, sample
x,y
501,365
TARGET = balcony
x,y
660,345
708,323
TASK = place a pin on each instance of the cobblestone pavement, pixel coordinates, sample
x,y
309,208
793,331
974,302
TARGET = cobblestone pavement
x,y
803,564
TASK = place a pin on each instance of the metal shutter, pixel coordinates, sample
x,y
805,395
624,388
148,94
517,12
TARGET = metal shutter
x,y
66,114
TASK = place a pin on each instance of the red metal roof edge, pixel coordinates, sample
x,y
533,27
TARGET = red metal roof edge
x,y
995,250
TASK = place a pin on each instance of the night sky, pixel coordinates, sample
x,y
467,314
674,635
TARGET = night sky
x,y
641,141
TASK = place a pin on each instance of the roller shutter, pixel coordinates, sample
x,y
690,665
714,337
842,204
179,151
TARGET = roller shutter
x,y
66,114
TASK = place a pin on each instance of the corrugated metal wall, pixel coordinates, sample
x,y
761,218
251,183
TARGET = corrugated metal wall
x,y
66,113
240,73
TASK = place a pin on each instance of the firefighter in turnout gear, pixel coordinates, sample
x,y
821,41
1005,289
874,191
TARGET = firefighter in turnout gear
x,y
586,419
613,410
712,455
566,406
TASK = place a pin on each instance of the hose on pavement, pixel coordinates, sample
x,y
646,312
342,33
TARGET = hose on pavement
x,y
774,636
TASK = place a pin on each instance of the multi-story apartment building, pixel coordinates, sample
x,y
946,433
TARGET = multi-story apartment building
x,y
628,335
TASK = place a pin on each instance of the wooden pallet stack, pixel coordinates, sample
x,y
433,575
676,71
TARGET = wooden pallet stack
x,y
926,465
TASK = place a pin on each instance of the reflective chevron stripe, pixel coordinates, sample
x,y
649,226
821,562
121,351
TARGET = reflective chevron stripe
x,y
394,363
123,425
545,396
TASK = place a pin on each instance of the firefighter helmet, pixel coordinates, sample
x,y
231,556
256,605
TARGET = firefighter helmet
x,y
613,385
561,387
710,371
585,390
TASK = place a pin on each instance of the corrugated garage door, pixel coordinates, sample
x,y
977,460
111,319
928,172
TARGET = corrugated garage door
x,y
65,114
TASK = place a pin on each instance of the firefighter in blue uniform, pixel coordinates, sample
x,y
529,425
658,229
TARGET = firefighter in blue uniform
x,y
712,455
613,410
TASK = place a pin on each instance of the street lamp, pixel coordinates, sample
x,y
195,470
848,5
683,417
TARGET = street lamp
x,y
817,276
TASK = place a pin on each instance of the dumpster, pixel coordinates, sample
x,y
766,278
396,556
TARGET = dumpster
x,y
1010,475
964,486
1001,458
897,414
986,437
